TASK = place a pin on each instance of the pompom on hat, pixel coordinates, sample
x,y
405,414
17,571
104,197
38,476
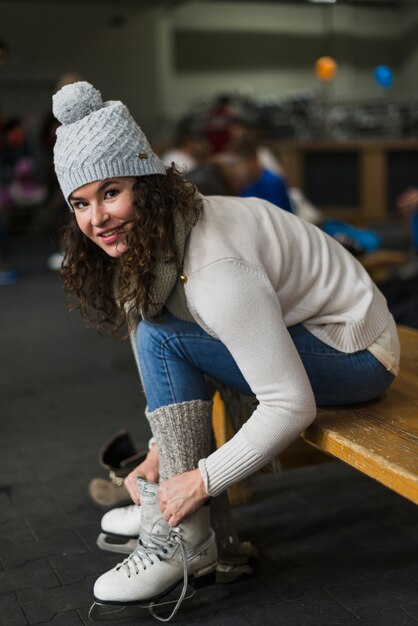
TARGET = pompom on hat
x,y
97,140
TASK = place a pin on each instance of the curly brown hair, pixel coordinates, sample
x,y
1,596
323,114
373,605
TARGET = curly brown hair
x,y
89,273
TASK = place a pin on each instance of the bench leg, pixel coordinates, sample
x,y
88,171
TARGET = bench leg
x,y
223,431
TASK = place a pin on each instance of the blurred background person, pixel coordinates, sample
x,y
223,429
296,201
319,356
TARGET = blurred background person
x,y
246,127
191,156
48,217
217,123
248,178
407,204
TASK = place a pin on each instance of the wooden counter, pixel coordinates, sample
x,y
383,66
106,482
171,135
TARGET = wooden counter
x,y
356,180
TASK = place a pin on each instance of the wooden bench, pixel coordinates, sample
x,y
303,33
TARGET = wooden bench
x,y
379,438
381,263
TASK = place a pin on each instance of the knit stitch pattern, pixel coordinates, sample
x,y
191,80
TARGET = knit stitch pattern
x,y
97,140
182,433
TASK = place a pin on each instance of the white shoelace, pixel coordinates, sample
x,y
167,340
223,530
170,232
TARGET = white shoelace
x,y
143,556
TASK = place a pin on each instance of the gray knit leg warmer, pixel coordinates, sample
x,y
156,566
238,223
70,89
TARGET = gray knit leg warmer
x,y
183,434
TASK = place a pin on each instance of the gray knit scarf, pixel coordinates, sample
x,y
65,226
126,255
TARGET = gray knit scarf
x,y
167,290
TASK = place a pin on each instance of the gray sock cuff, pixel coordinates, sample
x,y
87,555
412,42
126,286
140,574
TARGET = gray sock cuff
x,y
182,433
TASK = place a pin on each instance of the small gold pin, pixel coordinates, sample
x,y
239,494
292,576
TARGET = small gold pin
x,y
183,278
142,155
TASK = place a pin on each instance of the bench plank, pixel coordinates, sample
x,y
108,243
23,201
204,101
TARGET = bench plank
x,y
379,438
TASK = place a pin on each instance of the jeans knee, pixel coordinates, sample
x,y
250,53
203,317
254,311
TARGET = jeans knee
x,y
150,337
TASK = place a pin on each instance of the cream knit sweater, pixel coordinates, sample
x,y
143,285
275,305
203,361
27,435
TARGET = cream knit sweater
x,y
253,270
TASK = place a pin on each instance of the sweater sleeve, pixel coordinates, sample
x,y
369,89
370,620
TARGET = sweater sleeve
x,y
237,303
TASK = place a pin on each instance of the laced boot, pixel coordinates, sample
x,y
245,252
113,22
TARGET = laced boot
x,y
121,527
164,558
183,433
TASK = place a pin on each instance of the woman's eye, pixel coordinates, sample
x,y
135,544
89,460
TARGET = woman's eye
x,y
79,205
111,193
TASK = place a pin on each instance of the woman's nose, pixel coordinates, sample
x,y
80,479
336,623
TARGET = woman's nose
x,y
99,215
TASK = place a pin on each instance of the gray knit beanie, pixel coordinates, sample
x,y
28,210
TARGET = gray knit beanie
x,y
97,140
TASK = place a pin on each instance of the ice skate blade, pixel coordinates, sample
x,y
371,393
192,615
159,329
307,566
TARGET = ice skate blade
x,y
106,613
115,612
116,543
110,612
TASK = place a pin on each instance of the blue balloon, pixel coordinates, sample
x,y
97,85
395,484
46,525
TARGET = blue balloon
x,y
384,76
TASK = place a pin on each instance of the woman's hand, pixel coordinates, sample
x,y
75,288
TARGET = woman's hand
x,y
148,469
181,496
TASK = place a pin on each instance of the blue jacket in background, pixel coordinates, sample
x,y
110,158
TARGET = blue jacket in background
x,y
269,187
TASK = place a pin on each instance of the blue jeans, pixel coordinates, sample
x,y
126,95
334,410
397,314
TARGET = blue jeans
x,y
174,357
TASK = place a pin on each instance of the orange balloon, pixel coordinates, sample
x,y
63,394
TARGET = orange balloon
x,y
325,68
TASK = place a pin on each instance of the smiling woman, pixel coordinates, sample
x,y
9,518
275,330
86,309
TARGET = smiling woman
x,y
104,212
234,289
123,199
140,214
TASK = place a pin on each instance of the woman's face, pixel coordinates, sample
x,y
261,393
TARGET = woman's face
x,y
104,212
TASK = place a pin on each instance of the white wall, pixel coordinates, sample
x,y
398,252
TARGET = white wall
x,y
180,89
135,63
47,40
408,78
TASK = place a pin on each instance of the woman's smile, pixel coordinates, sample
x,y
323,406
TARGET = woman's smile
x,y
104,212
112,235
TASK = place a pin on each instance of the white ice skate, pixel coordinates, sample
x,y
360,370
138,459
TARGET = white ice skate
x,y
120,529
163,559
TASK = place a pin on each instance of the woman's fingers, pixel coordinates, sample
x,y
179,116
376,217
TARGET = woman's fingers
x,y
132,487
152,476
148,469
173,516
181,496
